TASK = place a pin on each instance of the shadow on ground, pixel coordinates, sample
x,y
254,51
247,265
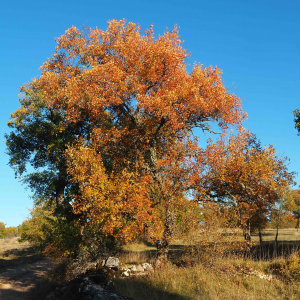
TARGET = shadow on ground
x,y
138,290
7,293
270,250
4,264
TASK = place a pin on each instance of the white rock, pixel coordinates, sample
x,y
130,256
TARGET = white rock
x,y
147,267
112,262
126,273
133,268
139,269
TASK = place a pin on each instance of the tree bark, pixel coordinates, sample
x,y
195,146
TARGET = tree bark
x,y
247,233
260,237
276,241
163,244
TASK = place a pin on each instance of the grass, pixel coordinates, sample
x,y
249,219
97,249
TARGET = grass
x,y
186,278
199,282
227,278
284,235
13,253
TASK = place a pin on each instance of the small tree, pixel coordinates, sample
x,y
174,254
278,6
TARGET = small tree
x,y
2,227
242,173
291,203
279,217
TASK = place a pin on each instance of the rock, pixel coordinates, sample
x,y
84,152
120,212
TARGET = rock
x,y
147,267
133,268
113,297
86,288
139,268
112,262
126,274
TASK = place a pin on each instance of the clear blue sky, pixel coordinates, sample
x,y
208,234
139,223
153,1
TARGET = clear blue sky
x,y
256,43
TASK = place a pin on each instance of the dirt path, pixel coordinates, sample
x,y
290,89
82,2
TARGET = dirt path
x,y
16,284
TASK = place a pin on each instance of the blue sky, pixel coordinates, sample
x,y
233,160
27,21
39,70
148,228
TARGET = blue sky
x,y
256,43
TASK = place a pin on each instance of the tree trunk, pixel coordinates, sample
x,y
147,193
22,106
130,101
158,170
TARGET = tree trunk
x,y
247,233
276,241
60,198
61,204
260,237
162,244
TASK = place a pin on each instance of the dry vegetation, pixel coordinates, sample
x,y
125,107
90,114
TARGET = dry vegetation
x,y
199,282
13,253
284,235
185,278
229,277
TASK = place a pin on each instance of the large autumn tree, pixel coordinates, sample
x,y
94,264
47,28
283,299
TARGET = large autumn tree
x,y
140,161
140,85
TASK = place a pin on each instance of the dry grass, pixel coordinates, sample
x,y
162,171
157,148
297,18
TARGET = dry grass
x,y
138,247
13,253
10,244
225,279
286,235
199,282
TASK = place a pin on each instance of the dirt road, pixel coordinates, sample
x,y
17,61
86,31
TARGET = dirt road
x,y
16,284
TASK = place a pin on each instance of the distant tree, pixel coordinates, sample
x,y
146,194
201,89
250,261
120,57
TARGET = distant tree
x,y
280,215
2,227
10,232
242,173
291,203
296,113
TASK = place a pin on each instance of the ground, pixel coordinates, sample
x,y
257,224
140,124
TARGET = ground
x,y
21,269
22,272
18,283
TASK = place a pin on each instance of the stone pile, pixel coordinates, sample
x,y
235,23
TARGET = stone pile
x,y
97,284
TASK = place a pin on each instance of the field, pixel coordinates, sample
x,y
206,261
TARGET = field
x,y
259,274
13,253
285,235
230,277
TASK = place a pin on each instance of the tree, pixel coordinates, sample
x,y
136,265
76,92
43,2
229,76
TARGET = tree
x,y
291,203
39,139
296,113
2,227
279,217
139,159
140,85
240,173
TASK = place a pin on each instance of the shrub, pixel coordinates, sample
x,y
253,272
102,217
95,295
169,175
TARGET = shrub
x,y
293,266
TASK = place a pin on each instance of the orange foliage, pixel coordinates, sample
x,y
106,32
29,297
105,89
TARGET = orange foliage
x,y
115,204
241,173
142,105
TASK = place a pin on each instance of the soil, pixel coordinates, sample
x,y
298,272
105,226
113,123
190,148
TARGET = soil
x,y
17,283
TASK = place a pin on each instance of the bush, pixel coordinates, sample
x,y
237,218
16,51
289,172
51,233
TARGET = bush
x,y
293,266
64,240
9,232
288,269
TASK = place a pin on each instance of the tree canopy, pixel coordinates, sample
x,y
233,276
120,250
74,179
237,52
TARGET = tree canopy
x,y
126,108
